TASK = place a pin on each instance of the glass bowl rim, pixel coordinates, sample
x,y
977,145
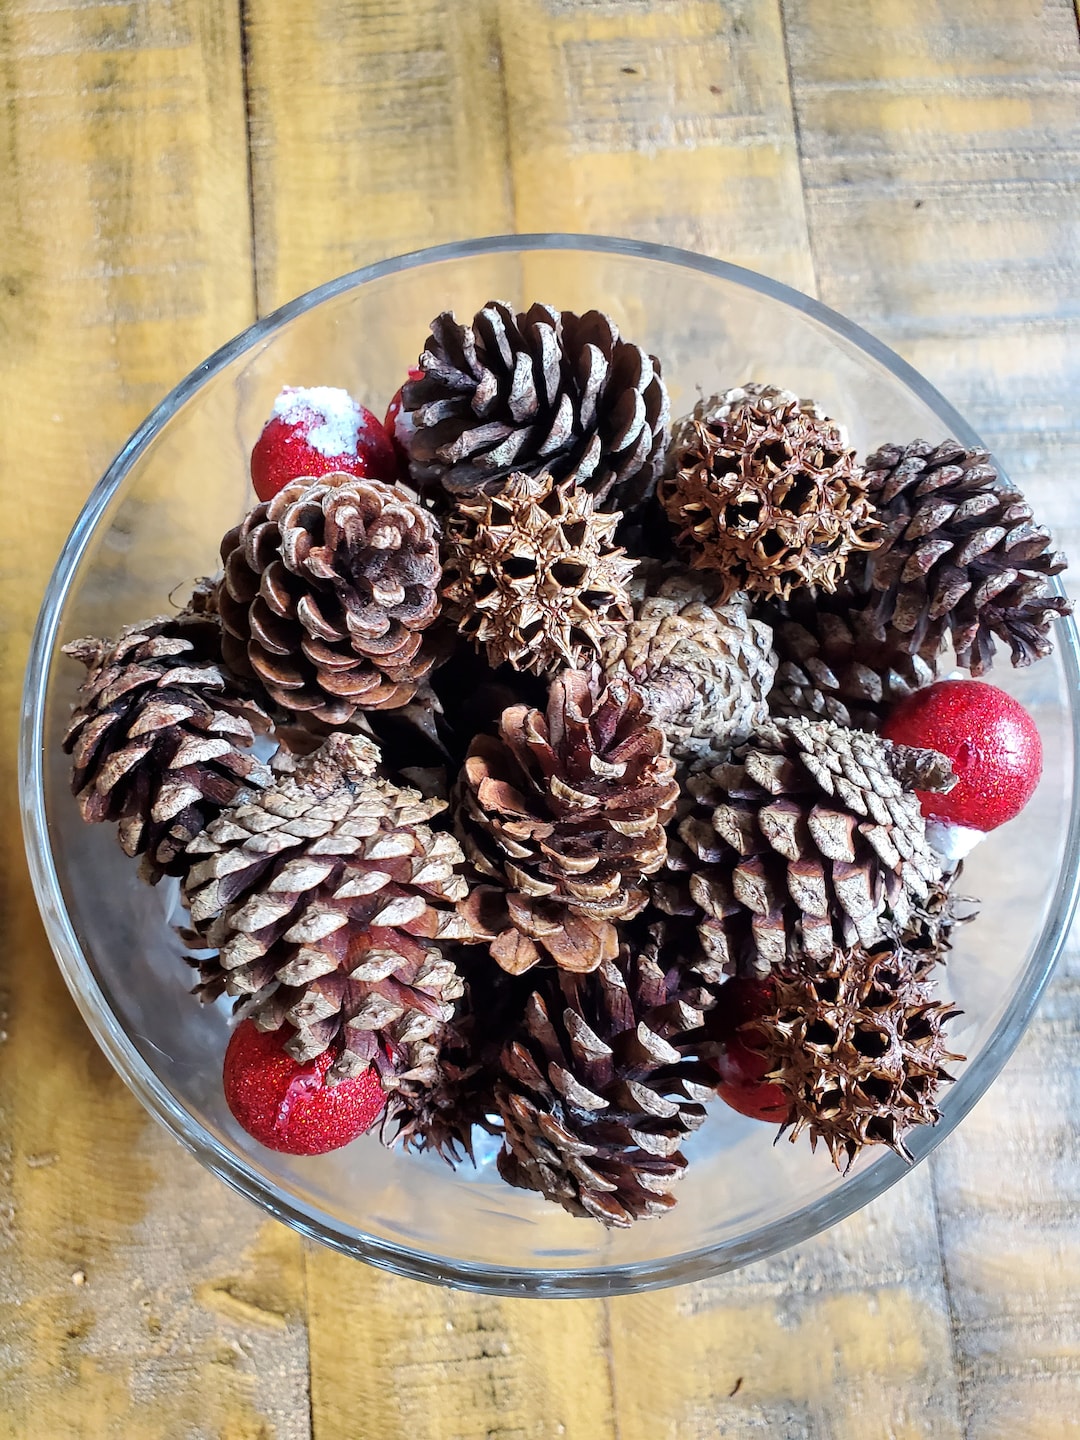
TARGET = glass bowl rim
x,y
137,1074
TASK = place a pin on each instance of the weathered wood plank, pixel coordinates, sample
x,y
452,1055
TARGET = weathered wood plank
x,y
940,159
137,1296
376,127
670,123
845,1336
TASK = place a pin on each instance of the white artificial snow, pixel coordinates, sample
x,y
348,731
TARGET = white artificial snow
x,y
950,843
330,418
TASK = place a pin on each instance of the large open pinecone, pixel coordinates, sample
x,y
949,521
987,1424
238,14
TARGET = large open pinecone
x,y
327,594
160,738
542,390
763,490
533,574
703,669
812,838
325,900
960,560
831,667
857,1042
594,1097
565,812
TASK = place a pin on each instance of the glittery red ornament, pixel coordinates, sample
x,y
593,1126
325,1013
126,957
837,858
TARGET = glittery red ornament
x,y
319,431
741,1068
287,1106
989,737
399,425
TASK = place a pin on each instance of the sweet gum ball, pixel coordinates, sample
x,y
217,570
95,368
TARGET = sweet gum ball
x,y
991,740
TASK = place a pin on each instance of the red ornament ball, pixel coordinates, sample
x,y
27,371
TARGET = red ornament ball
x,y
991,740
288,1106
742,1068
319,431
399,424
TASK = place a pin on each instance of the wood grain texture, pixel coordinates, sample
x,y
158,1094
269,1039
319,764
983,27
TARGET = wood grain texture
x,y
941,161
137,1296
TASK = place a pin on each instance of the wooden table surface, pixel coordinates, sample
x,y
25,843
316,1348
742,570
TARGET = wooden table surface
x,y
169,169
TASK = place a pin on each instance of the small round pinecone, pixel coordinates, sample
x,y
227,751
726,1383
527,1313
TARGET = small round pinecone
x,y
543,390
763,489
812,838
160,739
327,592
533,576
594,1097
565,813
960,560
703,670
832,668
325,899
857,1043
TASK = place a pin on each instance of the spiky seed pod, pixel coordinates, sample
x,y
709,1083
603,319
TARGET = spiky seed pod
x,y
545,390
160,738
328,595
831,667
325,900
594,1096
533,575
565,811
960,559
858,1044
703,670
763,490
812,838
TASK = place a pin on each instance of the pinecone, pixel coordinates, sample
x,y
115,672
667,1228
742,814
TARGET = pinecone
x,y
328,591
594,1097
832,668
160,739
702,670
565,812
812,839
533,576
857,1042
539,391
763,490
444,1117
325,900
960,559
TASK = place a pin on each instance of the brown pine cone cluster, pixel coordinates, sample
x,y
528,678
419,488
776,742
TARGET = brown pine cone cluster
x,y
567,761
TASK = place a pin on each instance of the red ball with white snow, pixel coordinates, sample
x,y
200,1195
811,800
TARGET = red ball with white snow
x,y
991,740
319,431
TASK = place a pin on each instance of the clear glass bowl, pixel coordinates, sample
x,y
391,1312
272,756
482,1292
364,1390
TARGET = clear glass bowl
x,y
152,526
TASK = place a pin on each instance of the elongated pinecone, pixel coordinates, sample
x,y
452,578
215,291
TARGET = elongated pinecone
x,y
325,900
540,391
858,1044
960,560
160,739
813,838
763,490
565,812
703,670
533,575
444,1117
328,591
831,667
595,1099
